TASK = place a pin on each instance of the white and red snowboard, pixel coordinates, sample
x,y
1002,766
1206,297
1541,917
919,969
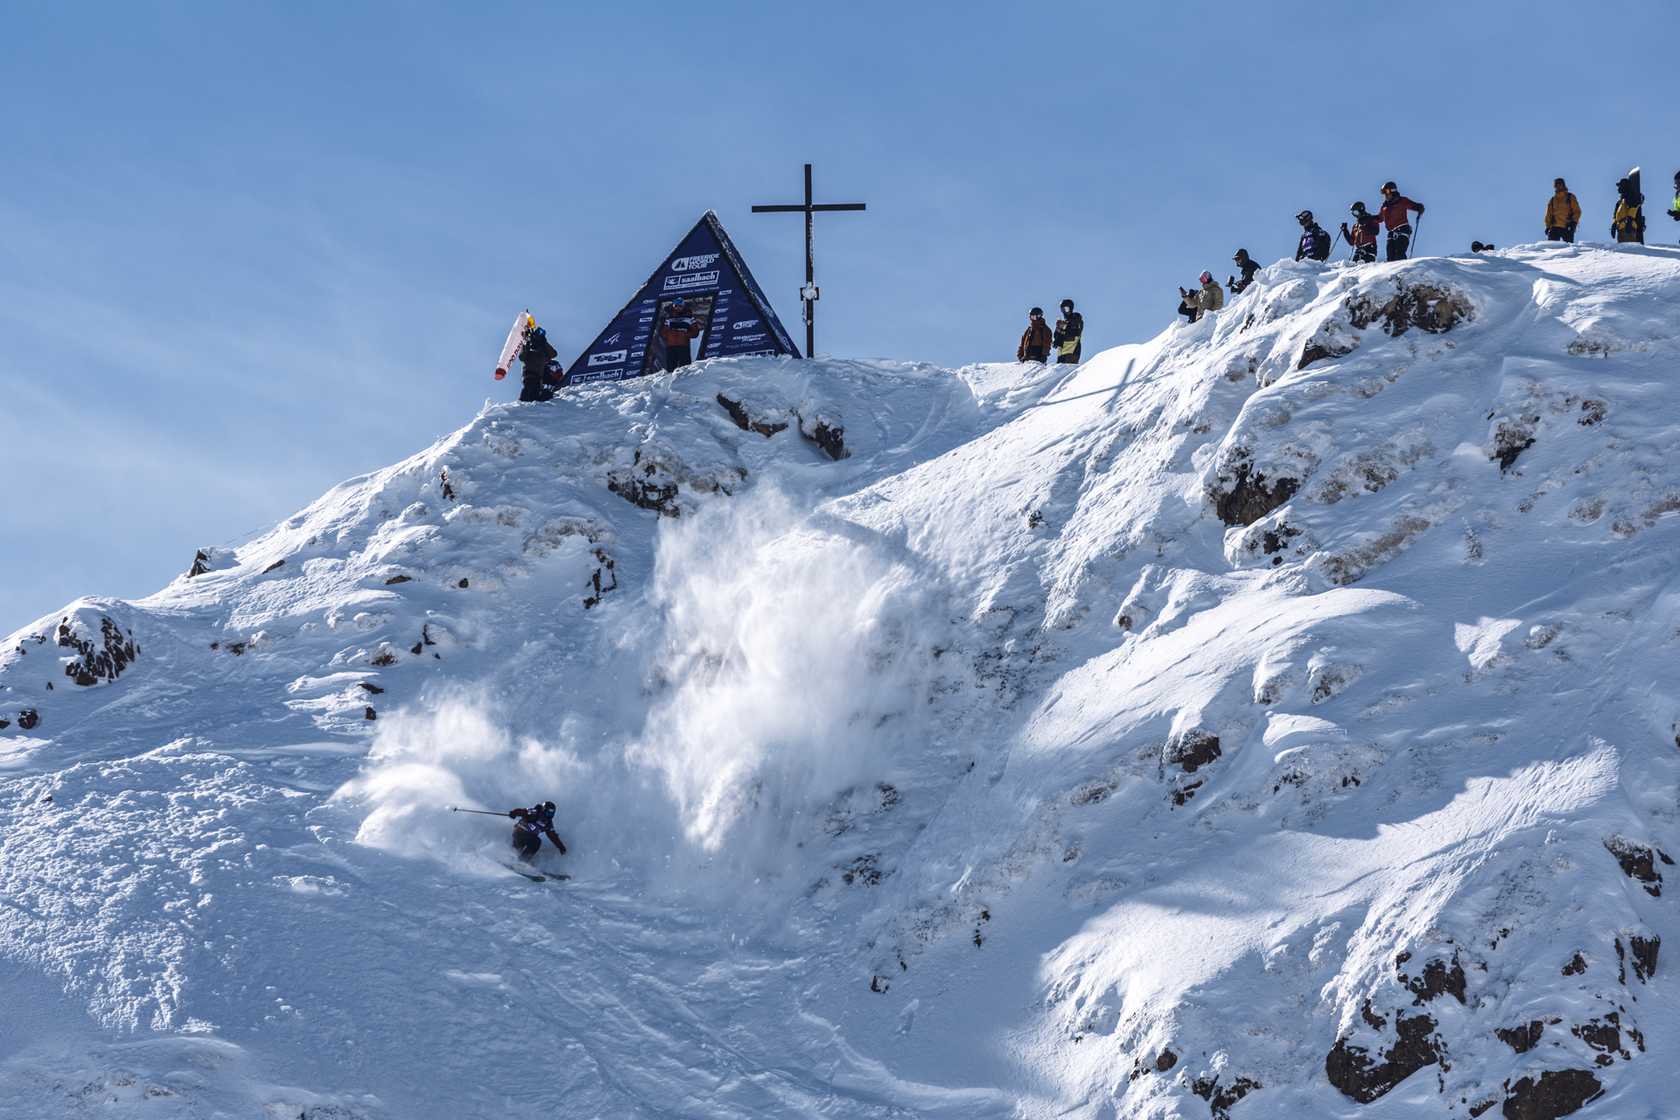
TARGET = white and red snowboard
x,y
523,324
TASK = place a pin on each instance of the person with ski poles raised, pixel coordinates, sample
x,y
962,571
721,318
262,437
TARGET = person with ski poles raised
x,y
1393,213
1563,213
1314,243
1362,235
534,823
1246,265
1627,225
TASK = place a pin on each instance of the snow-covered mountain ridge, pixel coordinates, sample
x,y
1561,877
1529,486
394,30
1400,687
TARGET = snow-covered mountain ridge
x,y
1270,719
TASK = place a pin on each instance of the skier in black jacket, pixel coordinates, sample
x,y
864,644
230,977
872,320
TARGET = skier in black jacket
x,y
1315,243
542,372
534,823
1069,336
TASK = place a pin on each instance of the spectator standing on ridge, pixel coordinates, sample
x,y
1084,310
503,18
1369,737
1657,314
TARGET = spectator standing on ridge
x,y
1628,223
1393,214
678,333
1314,243
1209,297
1674,208
1069,338
1563,213
542,372
1362,235
1248,266
1481,247
1036,339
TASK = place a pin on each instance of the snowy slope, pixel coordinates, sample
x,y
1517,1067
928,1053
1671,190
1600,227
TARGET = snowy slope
x,y
1272,719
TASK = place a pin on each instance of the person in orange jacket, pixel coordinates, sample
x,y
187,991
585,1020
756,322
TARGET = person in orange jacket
x,y
1362,235
1393,214
1036,340
678,332
1563,213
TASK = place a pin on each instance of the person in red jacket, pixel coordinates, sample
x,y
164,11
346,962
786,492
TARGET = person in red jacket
x,y
1393,214
679,330
1362,235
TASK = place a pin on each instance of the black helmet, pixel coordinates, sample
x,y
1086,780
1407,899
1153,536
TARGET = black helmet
x,y
1390,186
1037,312
1357,208
548,806
1242,255
1067,305
1305,217
538,332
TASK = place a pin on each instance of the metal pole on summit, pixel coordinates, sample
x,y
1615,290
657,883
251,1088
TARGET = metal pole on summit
x,y
809,293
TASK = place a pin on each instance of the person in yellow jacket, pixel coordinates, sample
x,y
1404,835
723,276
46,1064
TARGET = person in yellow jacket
x,y
1628,223
1674,210
1563,213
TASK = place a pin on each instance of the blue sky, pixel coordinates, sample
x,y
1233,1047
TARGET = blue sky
x,y
247,251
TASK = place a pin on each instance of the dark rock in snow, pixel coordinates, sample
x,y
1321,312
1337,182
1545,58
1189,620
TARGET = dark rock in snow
x,y
1221,1098
1358,1076
370,688
29,719
397,579
1423,306
461,583
1557,1092
1637,861
1165,1061
101,661
274,567
1438,979
1644,950
830,437
738,413
641,485
1577,965
1191,750
369,713
1242,497
1524,1038
200,564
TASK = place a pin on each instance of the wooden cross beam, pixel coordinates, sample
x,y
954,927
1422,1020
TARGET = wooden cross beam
x,y
809,293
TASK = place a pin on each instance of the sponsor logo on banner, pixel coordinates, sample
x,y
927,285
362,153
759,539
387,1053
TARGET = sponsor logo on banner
x,y
693,264
690,280
610,358
744,324
749,339
613,341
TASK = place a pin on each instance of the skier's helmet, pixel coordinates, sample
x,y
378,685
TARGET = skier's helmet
x,y
1390,188
1037,313
1559,184
1242,255
679,304
548,806
1067,305
1357,208
1305,217
1205,276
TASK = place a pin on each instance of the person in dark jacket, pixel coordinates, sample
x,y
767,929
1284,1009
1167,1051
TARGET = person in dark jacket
x,y
1314,243
1248,266
1563,213
1069,337
1628,223
534,823
1036,340
678,333
1393,213
1362,235
541,371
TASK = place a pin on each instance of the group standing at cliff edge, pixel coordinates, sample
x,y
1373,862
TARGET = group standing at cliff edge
x,y
1394,215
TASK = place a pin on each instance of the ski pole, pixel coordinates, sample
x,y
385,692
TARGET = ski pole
x,y
480,812
1339,237
1417,232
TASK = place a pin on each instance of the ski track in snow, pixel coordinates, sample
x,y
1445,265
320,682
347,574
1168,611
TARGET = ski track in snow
x,y
972,774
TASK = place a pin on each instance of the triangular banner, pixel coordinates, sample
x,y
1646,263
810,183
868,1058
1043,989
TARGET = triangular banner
x,y
705,283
